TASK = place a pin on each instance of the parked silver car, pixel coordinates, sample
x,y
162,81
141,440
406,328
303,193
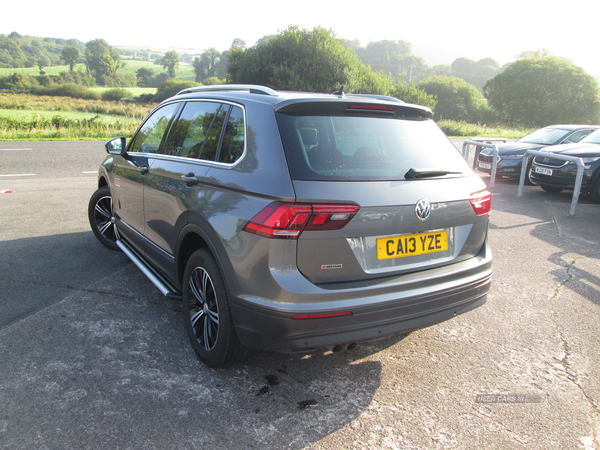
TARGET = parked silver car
x,y
293,221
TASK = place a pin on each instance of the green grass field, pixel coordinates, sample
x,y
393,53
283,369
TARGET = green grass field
x,y
25,117
184,72
28,115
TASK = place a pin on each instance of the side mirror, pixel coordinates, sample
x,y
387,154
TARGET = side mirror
x,y
116,146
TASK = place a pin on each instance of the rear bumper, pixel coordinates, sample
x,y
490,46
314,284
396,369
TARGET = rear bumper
x,y
383,310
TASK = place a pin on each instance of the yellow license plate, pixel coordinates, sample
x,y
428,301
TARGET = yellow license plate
x,y
412,244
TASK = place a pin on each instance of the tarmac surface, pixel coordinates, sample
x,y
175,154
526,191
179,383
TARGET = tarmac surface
x,y
106,364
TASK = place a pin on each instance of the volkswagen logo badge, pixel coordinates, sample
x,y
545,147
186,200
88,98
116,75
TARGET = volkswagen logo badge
x,y
422,209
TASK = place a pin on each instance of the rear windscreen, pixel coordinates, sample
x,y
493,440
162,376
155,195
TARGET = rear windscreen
x,y
351,147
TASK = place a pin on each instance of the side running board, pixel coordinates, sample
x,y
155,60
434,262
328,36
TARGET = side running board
x,y
162,284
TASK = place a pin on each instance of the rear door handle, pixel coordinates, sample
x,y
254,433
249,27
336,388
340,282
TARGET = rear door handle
x,y
190,179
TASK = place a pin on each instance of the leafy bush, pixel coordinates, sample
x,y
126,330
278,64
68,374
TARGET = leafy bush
x,y
456,99
18,82
412,94
464,129
172,87
210,81
536,92
116,94
118,79
145,98
68,90
76,77
363,80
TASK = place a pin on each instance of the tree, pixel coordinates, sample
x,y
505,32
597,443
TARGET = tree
x,y
170,61
456,99
197,65
412,94
542,91
304,60
145,76
171,87
539,53
206,66
70,55
11,54
101,59
238,43
42,62
387,56
475,72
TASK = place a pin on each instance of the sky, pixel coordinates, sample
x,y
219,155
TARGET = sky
x,y
438,30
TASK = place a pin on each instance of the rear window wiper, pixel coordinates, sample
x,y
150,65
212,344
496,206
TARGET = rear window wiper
x,y
427,173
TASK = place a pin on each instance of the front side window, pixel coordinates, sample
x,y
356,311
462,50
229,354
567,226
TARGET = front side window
x,y
151,136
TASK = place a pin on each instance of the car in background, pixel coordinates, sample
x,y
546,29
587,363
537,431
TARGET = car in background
x,y
296,221
555,175
510,156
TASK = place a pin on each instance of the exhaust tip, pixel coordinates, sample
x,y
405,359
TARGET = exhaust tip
x,y
352,346
337,348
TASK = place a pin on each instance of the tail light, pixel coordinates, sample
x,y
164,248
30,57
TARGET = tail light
x,y
288,220
481,202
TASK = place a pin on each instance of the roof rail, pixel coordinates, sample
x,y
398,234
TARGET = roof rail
x,y
377,97
251,88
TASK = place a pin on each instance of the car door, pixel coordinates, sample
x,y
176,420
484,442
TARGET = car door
x,y
130,172
176,177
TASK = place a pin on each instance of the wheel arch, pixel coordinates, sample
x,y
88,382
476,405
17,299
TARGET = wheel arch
x,y
595,179
594,186
193,237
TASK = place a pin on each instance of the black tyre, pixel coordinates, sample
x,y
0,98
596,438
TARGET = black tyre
x,y
102,218
207,315
552,189
595,192
528,180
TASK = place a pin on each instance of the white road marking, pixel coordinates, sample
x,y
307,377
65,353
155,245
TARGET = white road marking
x,y
19,175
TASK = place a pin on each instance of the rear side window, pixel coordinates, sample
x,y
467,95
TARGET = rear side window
x,y
209,131
577,136
232,147
353,147
197,131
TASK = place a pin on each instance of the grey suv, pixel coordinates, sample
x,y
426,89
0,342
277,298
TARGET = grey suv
x,y
293,221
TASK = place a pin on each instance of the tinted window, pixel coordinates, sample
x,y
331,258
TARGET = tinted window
x,y
365,148
194,135
546,136
578,135
593,138
232,147
151,135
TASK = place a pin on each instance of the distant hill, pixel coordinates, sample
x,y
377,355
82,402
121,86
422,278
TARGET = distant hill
x,y
25,51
